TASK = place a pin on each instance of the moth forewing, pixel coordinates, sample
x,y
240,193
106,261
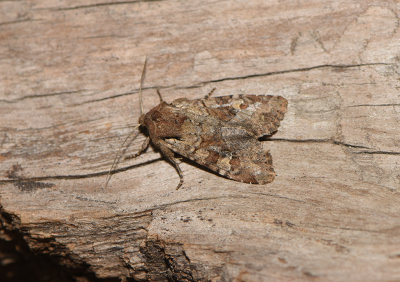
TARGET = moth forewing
x,y
220,133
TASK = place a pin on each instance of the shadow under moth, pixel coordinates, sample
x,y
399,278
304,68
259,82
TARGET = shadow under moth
x,y
220,133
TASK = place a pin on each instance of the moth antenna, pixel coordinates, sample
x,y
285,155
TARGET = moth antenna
x,y
159,95
121,152
141,85
128,142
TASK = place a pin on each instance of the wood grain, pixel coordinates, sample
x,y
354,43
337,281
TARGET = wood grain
x,y
69,79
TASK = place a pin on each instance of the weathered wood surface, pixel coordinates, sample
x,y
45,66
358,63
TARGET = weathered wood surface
x,y
69,78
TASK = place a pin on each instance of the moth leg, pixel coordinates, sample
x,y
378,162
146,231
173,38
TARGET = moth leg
x,y
210,93
178,169
169,155
159,95
207,97
144,147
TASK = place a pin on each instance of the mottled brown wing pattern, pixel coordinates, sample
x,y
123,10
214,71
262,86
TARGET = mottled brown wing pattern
x,y
221,134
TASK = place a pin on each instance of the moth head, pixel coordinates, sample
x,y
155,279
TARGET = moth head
x,y
141,120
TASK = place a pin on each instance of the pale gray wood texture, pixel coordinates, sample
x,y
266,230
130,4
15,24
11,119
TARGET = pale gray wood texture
x,y
69,79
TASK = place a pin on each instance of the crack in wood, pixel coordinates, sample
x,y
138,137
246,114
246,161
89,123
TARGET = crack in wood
x,y
33,96
80,176
379,153
327,140
103,4
203,83
374,105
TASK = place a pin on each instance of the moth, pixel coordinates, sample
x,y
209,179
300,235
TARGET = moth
x,y
220,133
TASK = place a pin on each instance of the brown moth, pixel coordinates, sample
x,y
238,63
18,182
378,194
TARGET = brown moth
x,y
220,133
